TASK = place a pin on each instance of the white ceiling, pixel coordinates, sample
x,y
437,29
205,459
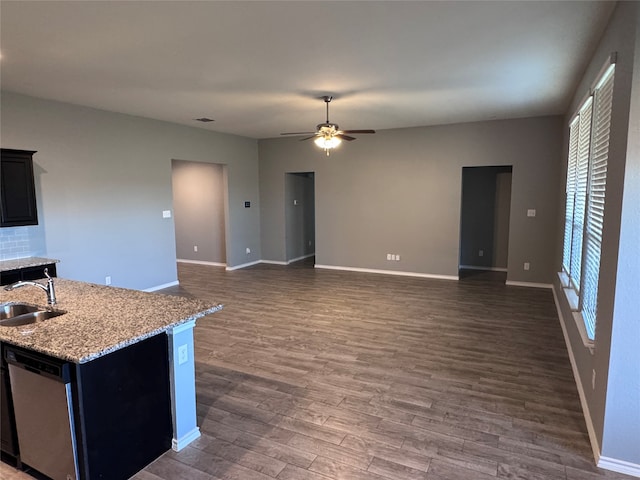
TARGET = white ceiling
x,y
259,68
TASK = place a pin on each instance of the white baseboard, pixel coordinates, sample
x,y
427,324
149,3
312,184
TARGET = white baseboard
x,y
178,444
244,265
388,272
300,258
273,262
160,287
490,269
199,262
280,262
619,466
615,465
595,447
529,284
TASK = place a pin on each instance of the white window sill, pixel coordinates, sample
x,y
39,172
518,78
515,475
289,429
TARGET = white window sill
x,y
574,303
564,279
586,341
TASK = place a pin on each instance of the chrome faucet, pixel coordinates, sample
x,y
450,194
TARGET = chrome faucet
x,y
48,288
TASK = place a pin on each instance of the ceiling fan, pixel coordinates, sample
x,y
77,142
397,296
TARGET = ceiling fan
x,y
328,135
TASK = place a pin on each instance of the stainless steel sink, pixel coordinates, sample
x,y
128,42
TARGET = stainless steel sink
x,y
17,314
10,310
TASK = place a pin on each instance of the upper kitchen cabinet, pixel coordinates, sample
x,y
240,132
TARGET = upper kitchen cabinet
x,y
17,189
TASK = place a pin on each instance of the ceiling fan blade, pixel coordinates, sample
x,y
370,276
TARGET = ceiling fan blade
x,y
358,131
344,137
308,138
298,133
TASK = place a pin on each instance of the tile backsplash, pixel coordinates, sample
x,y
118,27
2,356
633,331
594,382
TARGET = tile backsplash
x,y
15,242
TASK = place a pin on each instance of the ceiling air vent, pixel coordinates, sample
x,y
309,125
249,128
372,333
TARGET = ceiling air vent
x,y
204,120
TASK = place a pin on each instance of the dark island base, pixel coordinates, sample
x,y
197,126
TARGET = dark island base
x,y
124,406
122,410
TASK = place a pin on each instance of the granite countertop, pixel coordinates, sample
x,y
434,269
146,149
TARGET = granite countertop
x,y
26,262
99,319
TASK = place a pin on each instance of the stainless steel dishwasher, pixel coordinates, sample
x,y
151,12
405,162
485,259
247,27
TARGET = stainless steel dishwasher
x,y
41,392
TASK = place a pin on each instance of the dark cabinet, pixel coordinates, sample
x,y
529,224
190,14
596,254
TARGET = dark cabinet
x,y
17,189
26,273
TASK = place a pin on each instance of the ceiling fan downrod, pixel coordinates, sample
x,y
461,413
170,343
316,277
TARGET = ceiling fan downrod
x,y
327,99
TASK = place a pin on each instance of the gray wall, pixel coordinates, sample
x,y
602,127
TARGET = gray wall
x,y
621,436
299,216
104,180
501,220
198,210
399,191
614,404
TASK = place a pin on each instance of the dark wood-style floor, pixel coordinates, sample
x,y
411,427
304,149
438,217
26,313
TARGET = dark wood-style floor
x,y
315,374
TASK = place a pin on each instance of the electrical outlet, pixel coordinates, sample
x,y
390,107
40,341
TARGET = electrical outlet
x,y
107,280
531,212
166,214
481,253
195,248
183,354
527,265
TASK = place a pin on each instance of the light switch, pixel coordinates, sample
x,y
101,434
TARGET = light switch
x,y
531,212
166,214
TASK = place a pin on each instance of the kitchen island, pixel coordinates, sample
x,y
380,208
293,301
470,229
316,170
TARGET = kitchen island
x,y
132,369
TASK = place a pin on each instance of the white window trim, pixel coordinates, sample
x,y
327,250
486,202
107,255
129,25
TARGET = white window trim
x,y
571,295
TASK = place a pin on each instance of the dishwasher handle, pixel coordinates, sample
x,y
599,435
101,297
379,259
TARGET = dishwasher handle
x,y
31,369
53,368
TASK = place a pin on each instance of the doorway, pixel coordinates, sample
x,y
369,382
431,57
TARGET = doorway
x,y
199,206
484,223
300,218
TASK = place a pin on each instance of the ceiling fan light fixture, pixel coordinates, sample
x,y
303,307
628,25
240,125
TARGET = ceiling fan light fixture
x,y
328,142
328,135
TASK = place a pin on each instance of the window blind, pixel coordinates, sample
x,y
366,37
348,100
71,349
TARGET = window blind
x,y
597,183
570,194
580,196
